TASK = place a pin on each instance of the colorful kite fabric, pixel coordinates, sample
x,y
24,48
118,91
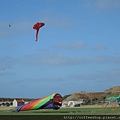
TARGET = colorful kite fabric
x,y
53,101
117,99
37,26
112,98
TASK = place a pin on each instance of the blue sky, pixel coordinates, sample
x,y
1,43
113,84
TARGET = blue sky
x,y
78,49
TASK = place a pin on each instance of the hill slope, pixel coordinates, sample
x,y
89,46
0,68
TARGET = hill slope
x,y
115,91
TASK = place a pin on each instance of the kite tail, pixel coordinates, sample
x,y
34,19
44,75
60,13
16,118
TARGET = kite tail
x,y
37,34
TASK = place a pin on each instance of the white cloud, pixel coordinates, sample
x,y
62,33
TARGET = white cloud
x,y
101,76
55,19
107,4
100,47
47,59
71,45
103,4
8,61
16,29
55,59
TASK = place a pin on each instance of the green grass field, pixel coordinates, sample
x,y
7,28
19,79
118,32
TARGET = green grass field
x,y
92,110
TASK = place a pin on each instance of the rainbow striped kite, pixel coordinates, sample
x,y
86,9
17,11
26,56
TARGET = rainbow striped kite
x,y
53,101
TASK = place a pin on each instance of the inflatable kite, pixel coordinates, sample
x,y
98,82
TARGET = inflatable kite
x,y
114,99
37,26
53,101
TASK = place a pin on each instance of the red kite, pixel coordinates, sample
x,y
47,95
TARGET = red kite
x,y
37,26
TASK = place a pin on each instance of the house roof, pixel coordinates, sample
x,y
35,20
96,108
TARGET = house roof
x,y
20,100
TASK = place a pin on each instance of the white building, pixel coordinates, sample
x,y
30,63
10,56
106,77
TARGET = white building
x,y
18,102
72,103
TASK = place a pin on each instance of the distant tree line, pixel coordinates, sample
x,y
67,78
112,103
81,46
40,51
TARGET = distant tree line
x,y
64,97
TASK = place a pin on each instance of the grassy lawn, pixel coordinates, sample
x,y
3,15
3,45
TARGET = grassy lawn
x,y
85,110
